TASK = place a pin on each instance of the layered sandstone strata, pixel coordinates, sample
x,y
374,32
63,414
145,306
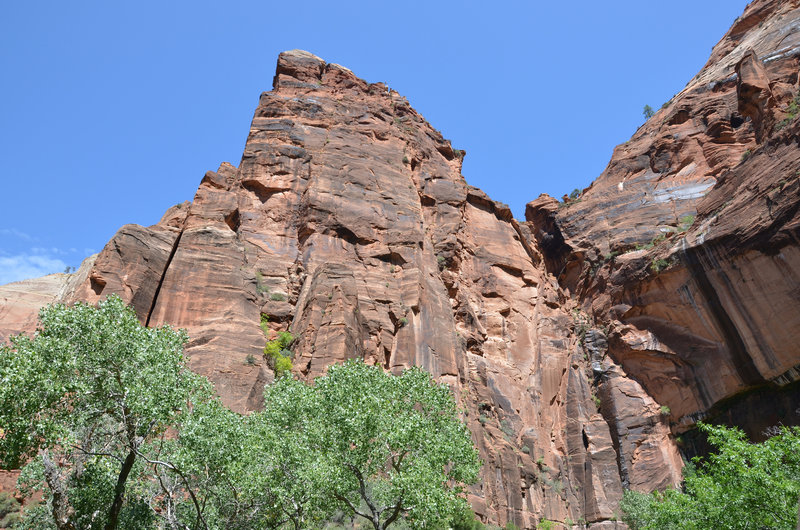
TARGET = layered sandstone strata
x,y
576,356
686,247
349,223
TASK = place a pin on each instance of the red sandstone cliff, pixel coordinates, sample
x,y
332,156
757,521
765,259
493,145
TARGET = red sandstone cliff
x,y
686,247
348,222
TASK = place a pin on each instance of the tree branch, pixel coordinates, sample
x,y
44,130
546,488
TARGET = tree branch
x,y
173,467
93,453
119,491
350,505
395,514
61,506
375,519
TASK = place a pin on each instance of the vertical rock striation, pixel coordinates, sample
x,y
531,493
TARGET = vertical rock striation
x,y
686,247
579,342
349,223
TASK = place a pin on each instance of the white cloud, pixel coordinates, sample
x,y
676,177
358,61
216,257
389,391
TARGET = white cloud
x,y
16,233
24,266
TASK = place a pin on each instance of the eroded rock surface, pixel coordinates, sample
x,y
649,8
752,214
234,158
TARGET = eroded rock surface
x,y
686,248
349,223
576,356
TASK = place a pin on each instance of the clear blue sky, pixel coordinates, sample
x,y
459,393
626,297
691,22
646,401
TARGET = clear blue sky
x,y
113,111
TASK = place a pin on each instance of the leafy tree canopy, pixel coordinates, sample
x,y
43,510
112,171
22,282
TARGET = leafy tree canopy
x,y
743,485
86,403
117,433
367,443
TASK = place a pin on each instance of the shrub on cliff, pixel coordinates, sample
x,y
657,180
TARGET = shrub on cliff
x,y
278,355
743,485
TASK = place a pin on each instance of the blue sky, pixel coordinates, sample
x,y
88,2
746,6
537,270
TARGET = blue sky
x,y
113,111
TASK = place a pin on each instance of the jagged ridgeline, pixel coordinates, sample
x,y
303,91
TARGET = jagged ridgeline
x,y
583,344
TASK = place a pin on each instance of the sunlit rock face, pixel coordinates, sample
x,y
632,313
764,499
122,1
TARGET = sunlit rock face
x,y
349,223
576,358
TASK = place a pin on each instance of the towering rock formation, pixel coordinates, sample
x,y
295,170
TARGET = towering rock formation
x,y
576,357
686,247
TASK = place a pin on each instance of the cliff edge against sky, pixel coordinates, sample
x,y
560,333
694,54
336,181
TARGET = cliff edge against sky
x,y
581,343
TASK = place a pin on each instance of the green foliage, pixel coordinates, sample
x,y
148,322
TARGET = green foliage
x,y
466,520
105,411
745,155
260,286
743,485
582,324
510,526
278,354
250,360
575,194
685,222
658,265
507,428
9,510
366,443
655,241
86,404
545,524
648,112
277,297
405,159
791,113
665,410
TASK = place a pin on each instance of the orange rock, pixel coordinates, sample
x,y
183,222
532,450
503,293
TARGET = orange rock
x,y
576,356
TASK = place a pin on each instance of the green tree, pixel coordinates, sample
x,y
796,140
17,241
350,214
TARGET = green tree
x,y
117,433
648,112
743,485
86,404
364,442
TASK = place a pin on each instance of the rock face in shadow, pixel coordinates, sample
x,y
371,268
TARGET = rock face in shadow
x,y
576,356
686,248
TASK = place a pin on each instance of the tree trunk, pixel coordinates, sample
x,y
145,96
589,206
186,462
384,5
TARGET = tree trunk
x,y
119,491
61,506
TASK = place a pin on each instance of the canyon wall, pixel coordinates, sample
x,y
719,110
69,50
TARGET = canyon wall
x,y
686,247
580,343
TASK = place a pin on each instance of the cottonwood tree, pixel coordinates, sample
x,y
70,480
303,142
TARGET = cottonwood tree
x,y
86,405
116,432
741,485
379,447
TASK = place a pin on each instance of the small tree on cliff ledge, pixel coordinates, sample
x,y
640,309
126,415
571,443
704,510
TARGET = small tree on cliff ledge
x,y
380,447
